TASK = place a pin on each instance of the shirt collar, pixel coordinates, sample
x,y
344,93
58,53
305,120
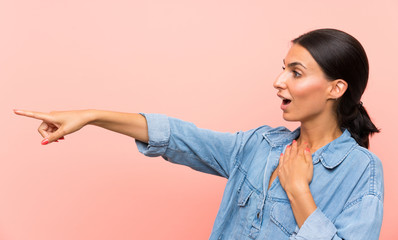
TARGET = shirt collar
x,y
330,155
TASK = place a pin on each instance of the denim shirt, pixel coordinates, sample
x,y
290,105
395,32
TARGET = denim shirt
x,y
347,184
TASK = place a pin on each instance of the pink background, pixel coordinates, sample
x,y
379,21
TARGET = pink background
x,y
209,62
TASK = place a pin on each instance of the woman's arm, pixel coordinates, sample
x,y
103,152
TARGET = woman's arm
x,y
130,124
182,142
156,134
56,125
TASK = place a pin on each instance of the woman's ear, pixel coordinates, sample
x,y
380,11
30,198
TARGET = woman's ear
x,y
338,88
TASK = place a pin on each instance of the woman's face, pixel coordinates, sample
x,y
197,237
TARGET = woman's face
x,y
302,86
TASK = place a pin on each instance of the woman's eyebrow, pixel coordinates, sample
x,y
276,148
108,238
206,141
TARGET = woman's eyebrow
x,y
294,64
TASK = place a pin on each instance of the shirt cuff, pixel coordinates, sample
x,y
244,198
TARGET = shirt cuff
x,y
317,226
159,135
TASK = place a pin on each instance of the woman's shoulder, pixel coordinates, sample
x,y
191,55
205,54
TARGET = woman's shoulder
x,y
268,132
266,129
373,172
366,156
265,136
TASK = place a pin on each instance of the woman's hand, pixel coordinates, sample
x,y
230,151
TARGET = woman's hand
x,y
295,169
55,125
295,173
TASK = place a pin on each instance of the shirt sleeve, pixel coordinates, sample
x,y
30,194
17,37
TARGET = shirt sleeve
x,y
361,220
183,143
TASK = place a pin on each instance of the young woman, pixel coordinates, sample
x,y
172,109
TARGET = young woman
x,y
317,182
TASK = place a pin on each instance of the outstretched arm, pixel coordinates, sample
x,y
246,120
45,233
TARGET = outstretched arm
x,y
56,125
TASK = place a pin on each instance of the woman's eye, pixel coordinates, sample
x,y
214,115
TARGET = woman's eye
x,y
296,74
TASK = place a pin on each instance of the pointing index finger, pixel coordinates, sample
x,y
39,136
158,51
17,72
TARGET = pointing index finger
x,y
32,114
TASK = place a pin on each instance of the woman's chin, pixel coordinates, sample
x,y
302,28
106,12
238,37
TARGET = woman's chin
x,y
289,118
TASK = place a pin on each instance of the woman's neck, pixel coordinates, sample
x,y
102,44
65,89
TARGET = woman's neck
x,y
318,135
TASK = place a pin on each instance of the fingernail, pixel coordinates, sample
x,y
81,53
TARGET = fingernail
x,y
307,149
281,154
44,142
288,146
56,141
61,138
294,141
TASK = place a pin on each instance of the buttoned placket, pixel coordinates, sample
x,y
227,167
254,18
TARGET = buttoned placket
x,y
274,160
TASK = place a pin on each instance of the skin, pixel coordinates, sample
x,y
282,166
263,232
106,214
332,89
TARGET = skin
x,y
56,125
313,98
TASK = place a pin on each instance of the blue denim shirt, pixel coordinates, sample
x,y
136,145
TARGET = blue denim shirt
x,y
347,184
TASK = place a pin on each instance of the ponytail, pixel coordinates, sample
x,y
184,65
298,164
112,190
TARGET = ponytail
x,y
341,56
357,121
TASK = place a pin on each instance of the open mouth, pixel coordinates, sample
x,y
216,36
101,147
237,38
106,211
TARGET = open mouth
x,y
286,101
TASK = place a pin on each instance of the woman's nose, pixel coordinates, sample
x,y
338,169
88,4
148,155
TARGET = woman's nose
x,y
280,81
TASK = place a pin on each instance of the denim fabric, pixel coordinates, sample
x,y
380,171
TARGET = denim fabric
x,y
347,184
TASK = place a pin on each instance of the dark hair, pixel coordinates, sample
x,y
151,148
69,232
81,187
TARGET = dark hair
x,y
341,56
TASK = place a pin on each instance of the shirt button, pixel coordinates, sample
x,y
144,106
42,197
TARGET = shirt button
x,y
258,215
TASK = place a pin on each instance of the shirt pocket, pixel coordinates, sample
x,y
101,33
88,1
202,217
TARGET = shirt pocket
x,y
282,216
244,195
247,201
